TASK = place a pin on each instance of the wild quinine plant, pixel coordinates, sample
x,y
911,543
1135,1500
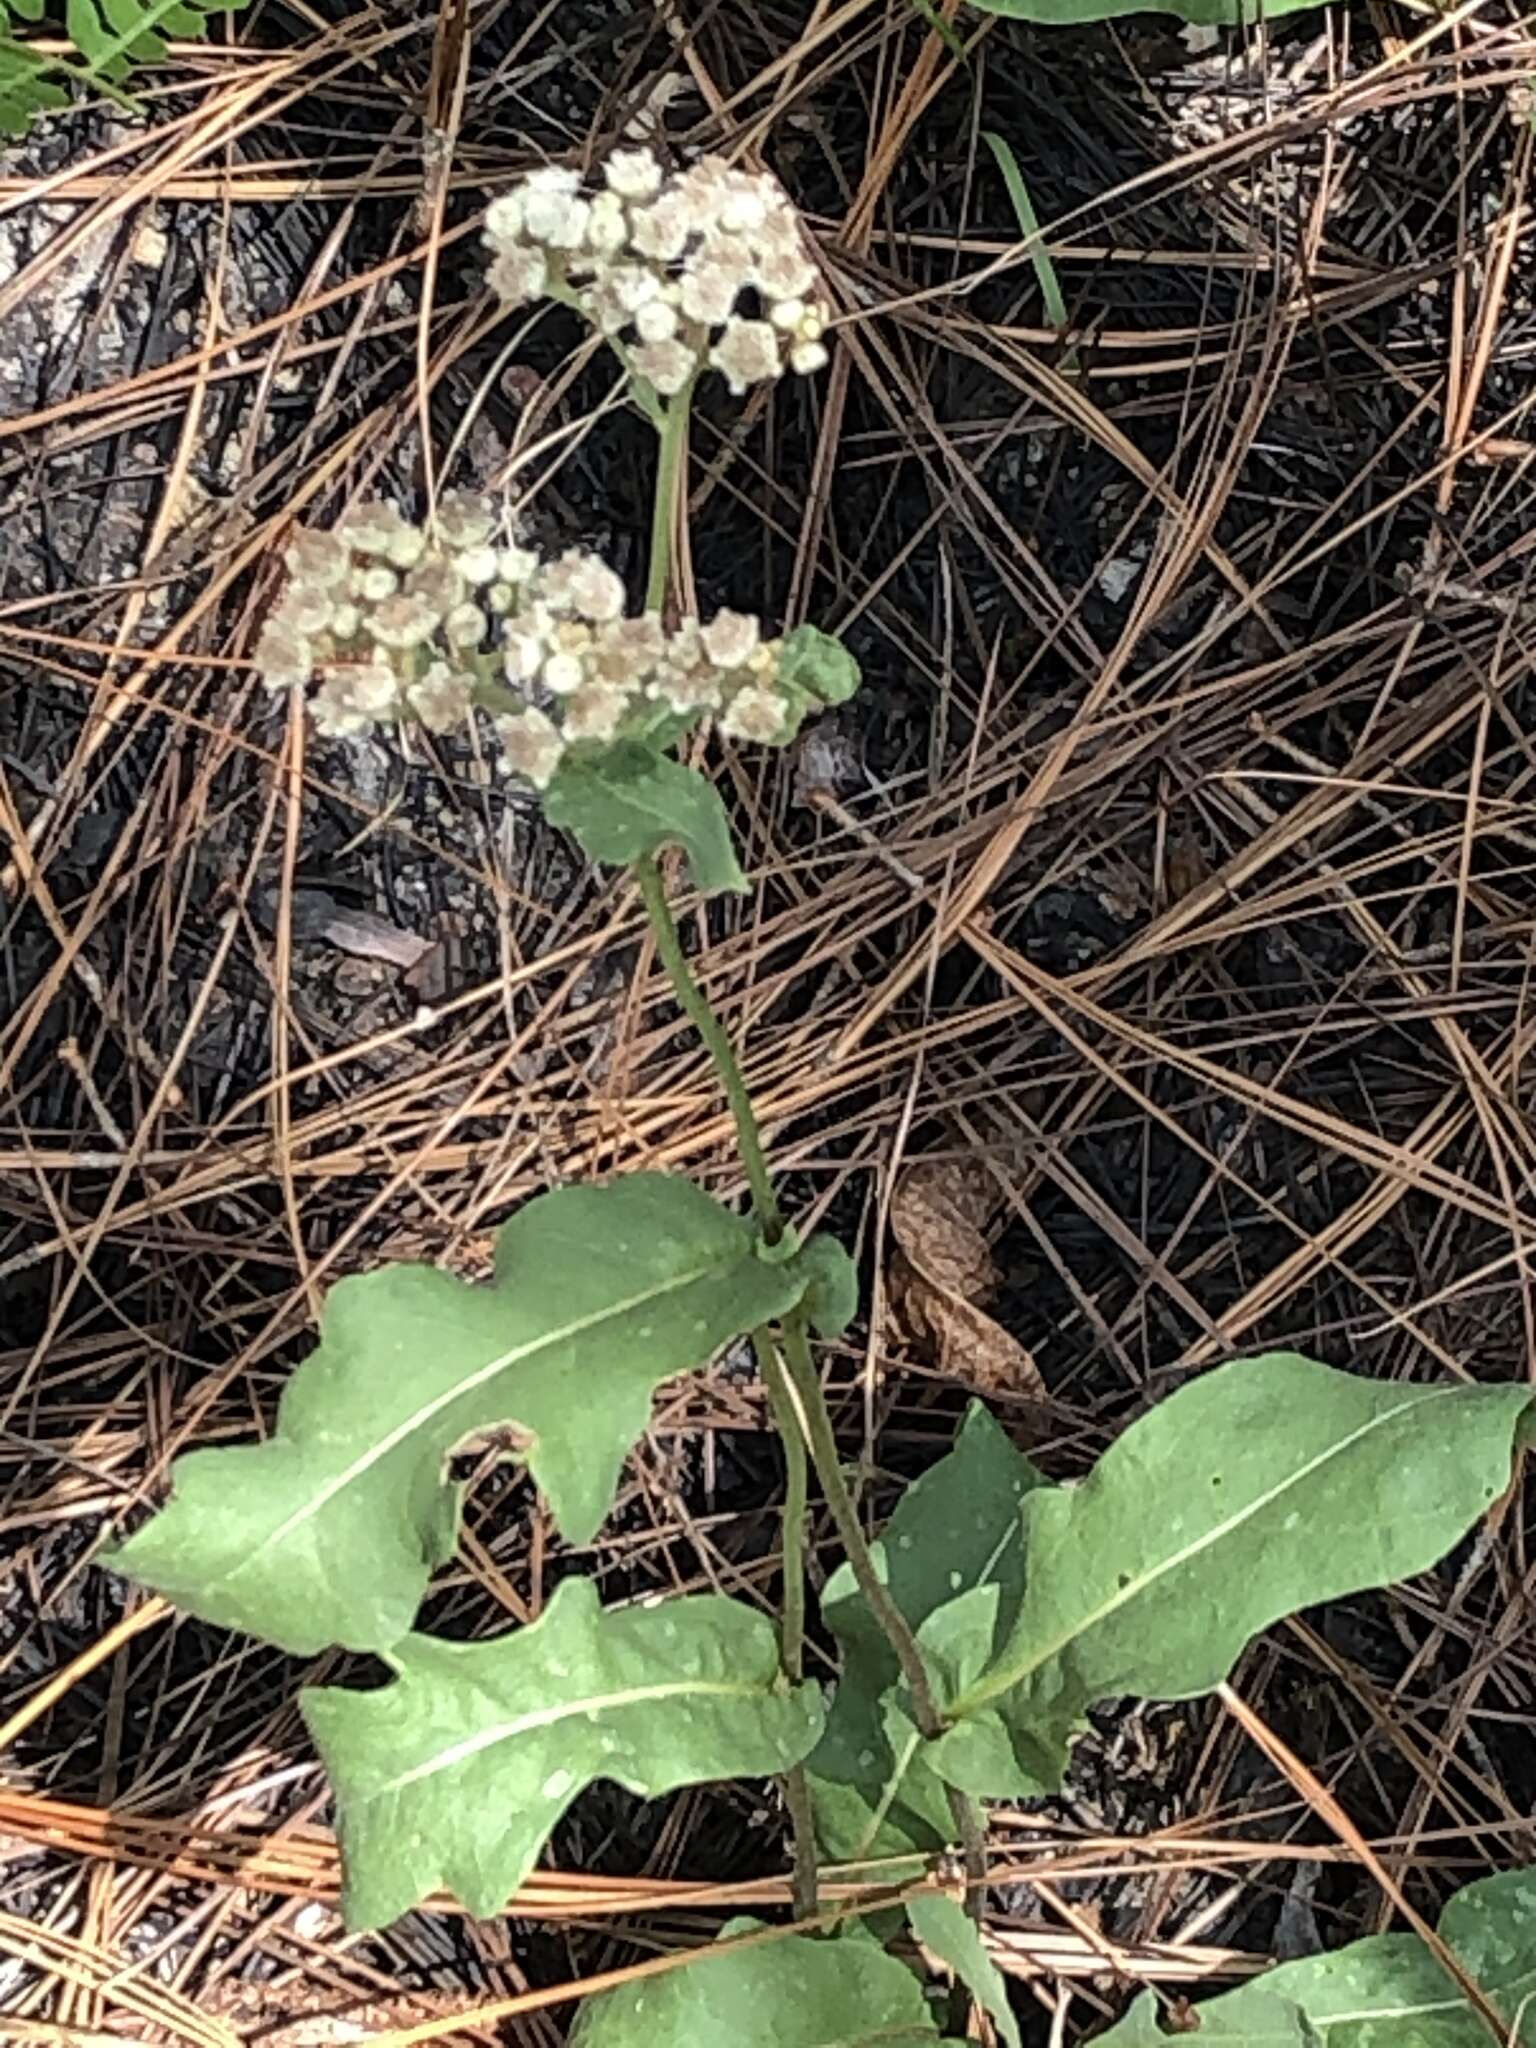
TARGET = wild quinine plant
x,y
996,1607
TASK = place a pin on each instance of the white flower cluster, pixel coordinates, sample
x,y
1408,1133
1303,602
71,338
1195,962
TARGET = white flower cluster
x,y
390,617
399,623
602,676
659,263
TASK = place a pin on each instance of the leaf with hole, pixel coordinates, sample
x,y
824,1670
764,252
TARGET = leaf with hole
x,y
627,801
455,1774
329,1532
1254,1490
955,1533
1387,1991
789,1992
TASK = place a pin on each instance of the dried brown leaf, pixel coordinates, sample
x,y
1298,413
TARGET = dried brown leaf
x,y
943,1271
940,1214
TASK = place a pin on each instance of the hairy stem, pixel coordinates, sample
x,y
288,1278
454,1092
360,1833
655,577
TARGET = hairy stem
x,y
823,1449
717,1040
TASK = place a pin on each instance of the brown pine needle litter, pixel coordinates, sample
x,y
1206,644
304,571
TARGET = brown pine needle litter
x,y
1175,870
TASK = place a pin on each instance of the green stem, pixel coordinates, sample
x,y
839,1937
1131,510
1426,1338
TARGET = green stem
x,y
797,1790
796,1496
673,435
829,1470
971,1828
717,1041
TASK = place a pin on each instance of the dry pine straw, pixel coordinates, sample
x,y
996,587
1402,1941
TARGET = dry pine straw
x,y
1175,867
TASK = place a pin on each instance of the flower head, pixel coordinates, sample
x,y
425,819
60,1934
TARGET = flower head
x,y
660,262
730,639
353,698
285,658
393,620
319,559
443,698
594,712
754,714
632,173
532,744
747,353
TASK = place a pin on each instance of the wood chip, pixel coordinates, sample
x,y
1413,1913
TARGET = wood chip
x,y
370,937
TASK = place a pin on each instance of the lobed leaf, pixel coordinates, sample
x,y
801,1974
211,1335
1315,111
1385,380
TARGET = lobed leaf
x,y
629,801
795,1992
26,84
955,1532
329,1532
1257,1489
112,35
456,1773
1387,1991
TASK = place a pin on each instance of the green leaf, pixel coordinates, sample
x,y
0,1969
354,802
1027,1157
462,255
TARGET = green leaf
x,y
941,28
1029,228
1387,1991
795,1992
1269,2022
1210,13
816,663
943,1925
26,87
627,801
111,34
832,1286
328,1532
1259,1488
455,1774
954,1532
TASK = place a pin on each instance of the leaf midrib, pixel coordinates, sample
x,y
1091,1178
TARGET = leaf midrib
x,y
419,1418
993,1685
551,1716
1383,2012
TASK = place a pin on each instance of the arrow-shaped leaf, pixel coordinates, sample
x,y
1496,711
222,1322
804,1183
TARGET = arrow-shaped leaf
x,y
955,1531
795,1992
1259,1488
1387,1991
329,1532
455,1774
